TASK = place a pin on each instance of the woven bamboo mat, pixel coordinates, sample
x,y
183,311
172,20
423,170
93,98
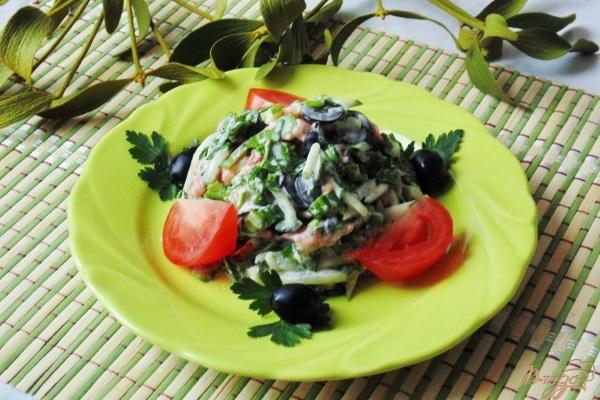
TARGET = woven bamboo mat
x,y
57,341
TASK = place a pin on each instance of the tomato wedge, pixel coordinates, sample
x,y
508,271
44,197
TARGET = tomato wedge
x,y
259,98
410,245
199,232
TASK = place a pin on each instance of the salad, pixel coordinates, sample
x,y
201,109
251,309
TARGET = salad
x,y
296,199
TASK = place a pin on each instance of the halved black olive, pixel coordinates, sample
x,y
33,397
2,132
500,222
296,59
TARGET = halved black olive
x,y
299,191
353,128
329,224
296,303
327,113
313,137
180,166
249,130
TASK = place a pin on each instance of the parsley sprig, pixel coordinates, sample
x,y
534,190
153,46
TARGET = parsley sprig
x,y
153,151
281,332
446,144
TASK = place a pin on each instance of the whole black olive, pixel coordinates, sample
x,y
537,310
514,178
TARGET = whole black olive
x,y
430,171
180,165
327,113
295,303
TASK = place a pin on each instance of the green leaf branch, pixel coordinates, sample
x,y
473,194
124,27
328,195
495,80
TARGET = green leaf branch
x,y
286,33
481,37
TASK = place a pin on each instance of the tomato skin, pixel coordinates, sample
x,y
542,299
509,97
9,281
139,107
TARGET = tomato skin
x,y
199,232
411,245
259,98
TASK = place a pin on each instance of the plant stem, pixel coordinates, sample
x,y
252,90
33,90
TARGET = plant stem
x,y
315,9
380,9
72,19
139,73
194,9
82,55
161,41
461,15
61,7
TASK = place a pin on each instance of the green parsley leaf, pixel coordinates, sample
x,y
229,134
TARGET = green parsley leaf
x,y
446,144
282,332
147,150
247,289
152,150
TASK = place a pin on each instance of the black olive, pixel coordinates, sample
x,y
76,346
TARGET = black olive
x,y
310,139
295,303
327,113
180,165
430,171
306,194
247,131
353,128
329,224
297,189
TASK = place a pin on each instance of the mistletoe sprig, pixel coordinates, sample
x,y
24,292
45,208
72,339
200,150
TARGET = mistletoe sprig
x,y
283,35
481,37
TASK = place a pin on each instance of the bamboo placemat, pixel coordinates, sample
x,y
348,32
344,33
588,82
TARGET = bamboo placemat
x,y
57,341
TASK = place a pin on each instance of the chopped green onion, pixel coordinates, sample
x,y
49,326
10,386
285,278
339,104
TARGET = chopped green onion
x,y
261,218
377,192
313,159
324,204
216,191
290,220
355,204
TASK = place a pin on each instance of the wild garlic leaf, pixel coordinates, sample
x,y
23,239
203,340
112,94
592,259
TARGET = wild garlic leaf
x,y
496,27
195,47
282,333
480,74
327,12
112,14
15,107
21,38
506,8
84,100
267,67
584,46
540,20
142,17
227,52
294,43
279,15
5,73
344,34
185,73
542,44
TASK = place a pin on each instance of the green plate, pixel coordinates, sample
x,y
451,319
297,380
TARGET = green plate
x,y
116,224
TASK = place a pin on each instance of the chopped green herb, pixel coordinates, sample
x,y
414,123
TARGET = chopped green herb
x,y
446,144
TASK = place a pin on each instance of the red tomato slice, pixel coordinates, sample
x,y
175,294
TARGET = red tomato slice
x,y
199,232
410,245
259,98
